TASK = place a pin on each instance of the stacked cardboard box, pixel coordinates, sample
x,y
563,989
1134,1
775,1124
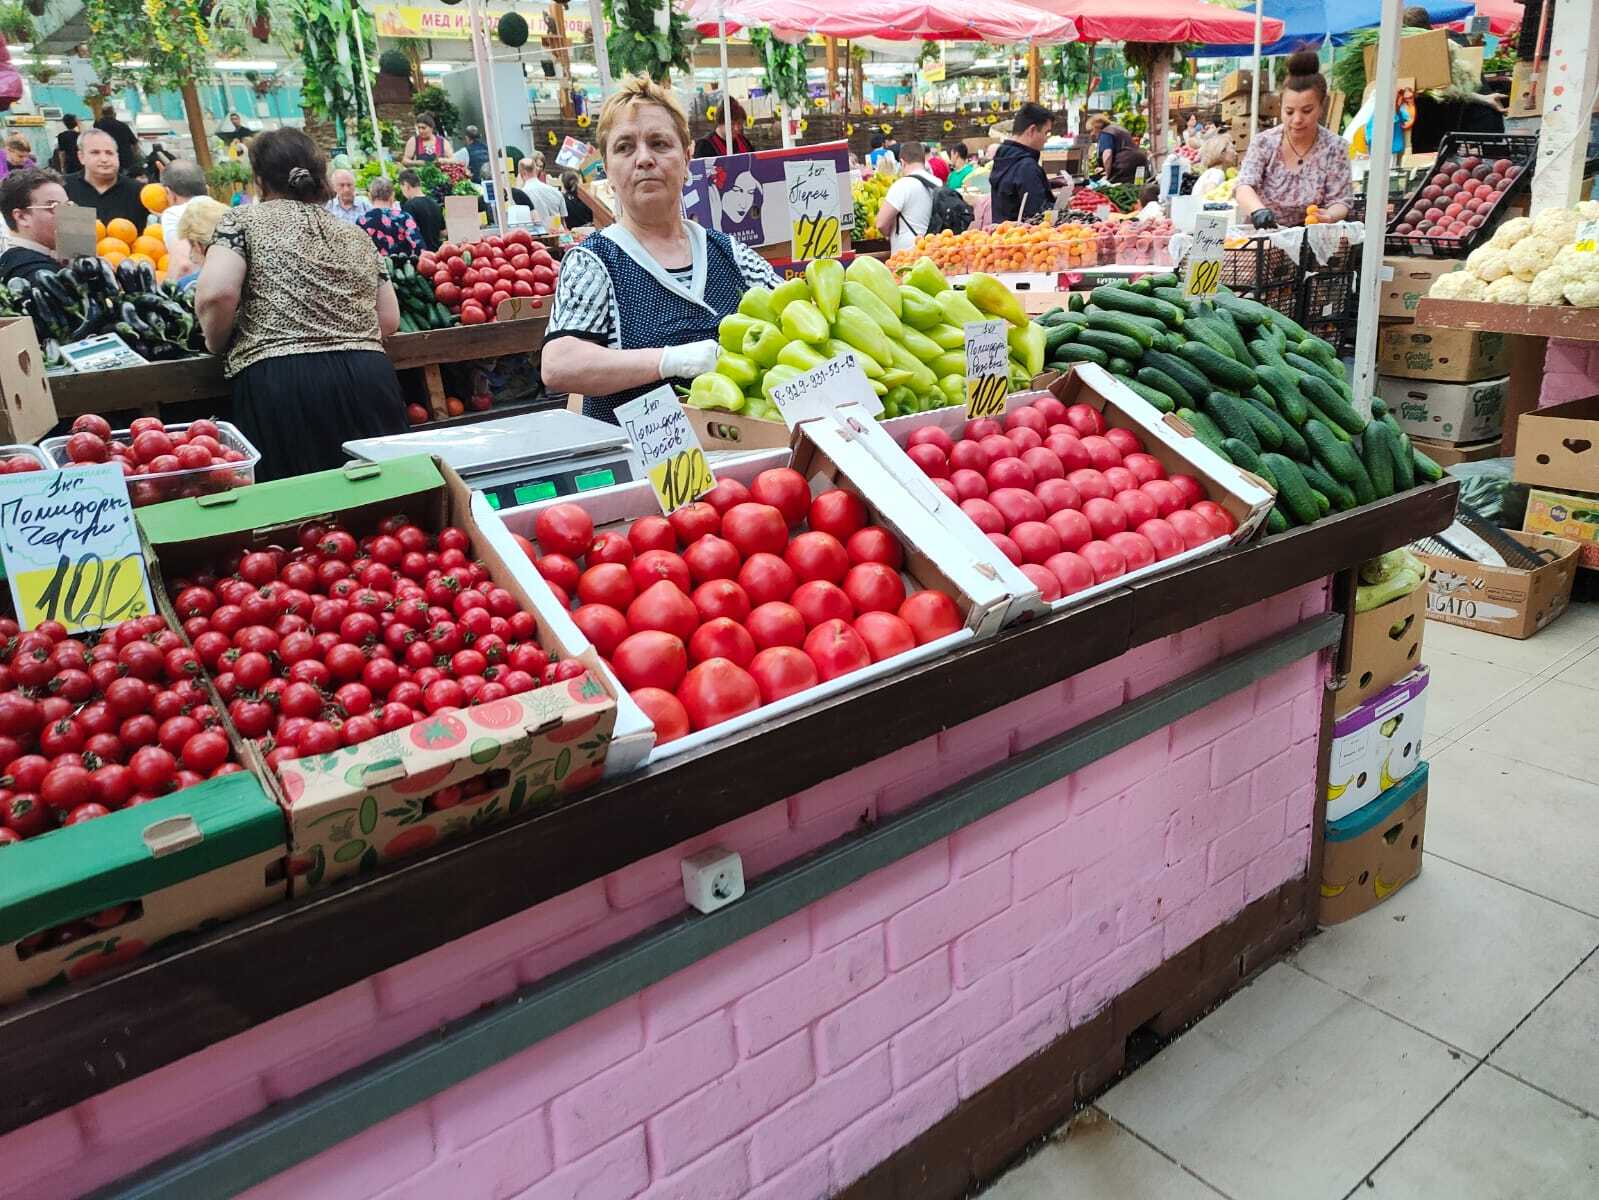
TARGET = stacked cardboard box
x,y
1446,387
1557,456
1235,97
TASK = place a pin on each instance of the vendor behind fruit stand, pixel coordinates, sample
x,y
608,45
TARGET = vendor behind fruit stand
x,y
1297,163
296,300
638,303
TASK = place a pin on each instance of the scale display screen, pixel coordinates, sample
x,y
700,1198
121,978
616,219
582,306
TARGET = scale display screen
x,y
514,492
590,480
532,493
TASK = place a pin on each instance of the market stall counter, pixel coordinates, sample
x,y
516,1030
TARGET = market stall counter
x,y
969,883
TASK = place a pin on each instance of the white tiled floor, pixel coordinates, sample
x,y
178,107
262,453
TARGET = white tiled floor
x,y
1445,1044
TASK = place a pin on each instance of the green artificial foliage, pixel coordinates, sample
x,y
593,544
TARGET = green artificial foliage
x,y
512,30
638,46
394,62
783,72
433,101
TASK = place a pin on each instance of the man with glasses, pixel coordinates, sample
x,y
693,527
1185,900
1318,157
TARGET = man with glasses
x,y
29,200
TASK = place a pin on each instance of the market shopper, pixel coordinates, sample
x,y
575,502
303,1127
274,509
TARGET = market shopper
x,y
1300,162
423,209
391,229
1020,187
578,213
184,183
344,203
197,230
1116,151
638,303
65,159
907,206
100,186
426,144
296,300
29,200
715,144
1216,155
18,154
961,165
544,199
122,133
474,153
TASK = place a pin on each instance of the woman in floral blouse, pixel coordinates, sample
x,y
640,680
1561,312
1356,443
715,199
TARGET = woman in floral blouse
x,y
391,228
1300,162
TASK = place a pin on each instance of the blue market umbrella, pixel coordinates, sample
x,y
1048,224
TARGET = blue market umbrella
x,y
1310,22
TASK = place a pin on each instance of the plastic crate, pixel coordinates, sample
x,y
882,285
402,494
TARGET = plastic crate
x,y
176,485
1329,302
1262,272
1520,149
7,453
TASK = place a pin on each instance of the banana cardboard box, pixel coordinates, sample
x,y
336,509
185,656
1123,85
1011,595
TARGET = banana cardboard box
x,y
1376,745
1374,851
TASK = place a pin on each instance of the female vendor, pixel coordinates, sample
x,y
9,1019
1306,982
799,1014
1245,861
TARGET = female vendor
x,y
638,303
1299,162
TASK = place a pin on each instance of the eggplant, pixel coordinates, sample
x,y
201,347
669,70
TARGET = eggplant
x,y
60,287
95,316
131,318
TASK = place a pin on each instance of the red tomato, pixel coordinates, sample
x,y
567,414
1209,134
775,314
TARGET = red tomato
x,y
873,587
1102,451
610,547
1191,527
997,446
985,516
717,690
1125,441
1007,547
651,533
721,637
777,624
1120,479
1072,571
969,456
836,649
885,634
930,614
755,529
784,489
782,671
564,529
1144,466
1192,491
1056,494
1026,417
930,459
968,485
1167,496
651,659
1165,540
665,711
726,494
874,544
666,607
819,601
608,583
1025,439
838,512
931,435
1090,482
1221,520
1138,507
694,521
817,555
1044,580
722,598
1105,517
1009,473
1106,561
1044,463
655,566
766,577
602,625
1016,505
1054,411
1085,419
981,428
1036,540
1138,550
711,557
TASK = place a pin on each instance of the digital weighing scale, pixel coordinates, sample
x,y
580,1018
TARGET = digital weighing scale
x,y
519,460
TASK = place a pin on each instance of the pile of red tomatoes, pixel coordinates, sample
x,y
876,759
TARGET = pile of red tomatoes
x,y
191,461
474,279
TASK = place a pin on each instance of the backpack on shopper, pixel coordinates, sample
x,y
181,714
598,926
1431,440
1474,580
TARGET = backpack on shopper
x,y
949,210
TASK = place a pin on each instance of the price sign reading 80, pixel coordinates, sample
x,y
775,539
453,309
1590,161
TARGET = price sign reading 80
x,y
987,369
814,227
673,460
1204,260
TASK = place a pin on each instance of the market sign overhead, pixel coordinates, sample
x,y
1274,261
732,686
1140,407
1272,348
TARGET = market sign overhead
x,y
439,21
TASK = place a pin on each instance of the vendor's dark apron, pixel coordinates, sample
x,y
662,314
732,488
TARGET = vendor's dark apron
x,y
650,315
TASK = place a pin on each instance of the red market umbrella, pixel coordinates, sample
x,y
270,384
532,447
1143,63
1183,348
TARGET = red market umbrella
x,y
1160,21
896,20
1503,15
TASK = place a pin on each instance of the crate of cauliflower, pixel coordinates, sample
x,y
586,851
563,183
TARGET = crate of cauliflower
x,y
1550,259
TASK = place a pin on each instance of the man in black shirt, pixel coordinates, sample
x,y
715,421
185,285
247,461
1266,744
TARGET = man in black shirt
x,y
127,141
98,186
66,156
29,200
424,209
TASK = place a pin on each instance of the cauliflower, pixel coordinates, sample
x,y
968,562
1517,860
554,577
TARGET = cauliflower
x,y
1511,232
1508,290
1458,285
1547,288
1583,293
1531,255
1588,210
1559,225
1577,266
1488,263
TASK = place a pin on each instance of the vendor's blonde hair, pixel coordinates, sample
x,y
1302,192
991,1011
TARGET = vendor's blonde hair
x,y
198,224
1218,151
640,89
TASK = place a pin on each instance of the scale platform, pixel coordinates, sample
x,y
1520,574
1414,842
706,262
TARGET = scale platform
x,y
522,459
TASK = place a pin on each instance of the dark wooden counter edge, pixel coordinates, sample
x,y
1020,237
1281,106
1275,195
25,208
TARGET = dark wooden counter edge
x,y
68,1045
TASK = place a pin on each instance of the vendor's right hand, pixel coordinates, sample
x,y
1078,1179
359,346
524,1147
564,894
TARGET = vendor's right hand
x,y
1262,218
686,362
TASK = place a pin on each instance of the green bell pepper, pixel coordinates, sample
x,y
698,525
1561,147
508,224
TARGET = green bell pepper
x,y
781,373
951,362
763,342
864,297
922,377
948,337
925,277
954,388
757,303
788,292
922,346
826,278
802,321
731,330
1027,346
739,369
899,400
958,310
918,309
713,390
856,329
798,354
870,365
871,273
995,299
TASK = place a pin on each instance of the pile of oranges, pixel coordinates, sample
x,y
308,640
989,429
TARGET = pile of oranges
x,y
1006,247
122,239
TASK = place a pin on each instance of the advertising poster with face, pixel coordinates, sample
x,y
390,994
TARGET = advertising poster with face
x,y
746,195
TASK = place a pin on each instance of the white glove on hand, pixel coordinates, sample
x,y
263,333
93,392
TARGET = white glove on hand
x,y
685,362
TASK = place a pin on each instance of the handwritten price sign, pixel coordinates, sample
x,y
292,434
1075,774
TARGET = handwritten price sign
x,y
1587,236
71,549
813,208
987,369
1204,260
673,460
820,390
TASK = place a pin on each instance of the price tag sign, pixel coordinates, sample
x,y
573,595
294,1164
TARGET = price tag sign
x,y
673,459
1587,236
71,548
987,369
1204,260
813,208
822,389
461,219
573,153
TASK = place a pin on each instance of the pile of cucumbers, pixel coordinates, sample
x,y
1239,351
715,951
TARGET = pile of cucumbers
x,y
1252,384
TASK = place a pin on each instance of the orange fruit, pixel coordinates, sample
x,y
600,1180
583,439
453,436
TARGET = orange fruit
x,y
123,230
99,230
153,247
145,259
112,245
161,264
113,257
153,196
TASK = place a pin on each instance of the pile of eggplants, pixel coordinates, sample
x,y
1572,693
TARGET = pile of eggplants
x,y
88,297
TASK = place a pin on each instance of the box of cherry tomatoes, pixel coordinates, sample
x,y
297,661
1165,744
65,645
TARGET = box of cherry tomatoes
x,y
390,677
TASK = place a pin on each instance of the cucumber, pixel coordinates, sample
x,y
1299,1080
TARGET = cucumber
x,y
1111,343
1057,336
1206,331
1073,353
1157,380
1292,444
1275,521
1323,505
1165,279
1192,381
1224,370
1174,296
1378,460
1046,319
1338,458
1404,462
1315,390
1246,458
1142,330
1293,493
1365,491
1075,302
1271,437
1322,352
1159,399
1342,498
1119,366
1227,412
1379,409
1145,306
1142,286
1425,467
1337,430
1264,353
1246,312
1295,331
1204,428
1235,338
1262,397
1318,370
1279,381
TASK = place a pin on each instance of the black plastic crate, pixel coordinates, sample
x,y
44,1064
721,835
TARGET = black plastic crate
x,y
1260,271
1520,149
1329,302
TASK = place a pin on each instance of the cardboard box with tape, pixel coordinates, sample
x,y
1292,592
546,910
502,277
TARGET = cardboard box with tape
x,y
1405,280
1384,647
1558,447
1374,851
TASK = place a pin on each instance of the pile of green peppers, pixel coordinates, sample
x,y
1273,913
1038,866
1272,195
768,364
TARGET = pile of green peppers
x,y
87,297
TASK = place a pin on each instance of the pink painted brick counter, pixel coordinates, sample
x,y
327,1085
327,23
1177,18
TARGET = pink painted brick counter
x,y
790,1063
1570,371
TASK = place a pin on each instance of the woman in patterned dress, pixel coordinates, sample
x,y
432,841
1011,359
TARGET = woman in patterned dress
x,y
1299,162
638,303
297,301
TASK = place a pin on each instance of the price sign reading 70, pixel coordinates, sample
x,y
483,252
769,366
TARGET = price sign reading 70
x,y
816,236
813,216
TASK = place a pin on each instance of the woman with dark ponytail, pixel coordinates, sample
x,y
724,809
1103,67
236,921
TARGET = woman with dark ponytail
x,y
1299,162
298,302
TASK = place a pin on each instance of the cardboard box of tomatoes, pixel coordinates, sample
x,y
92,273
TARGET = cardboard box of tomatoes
x,y
81,900
476,279
1042,494
439,763
801,575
